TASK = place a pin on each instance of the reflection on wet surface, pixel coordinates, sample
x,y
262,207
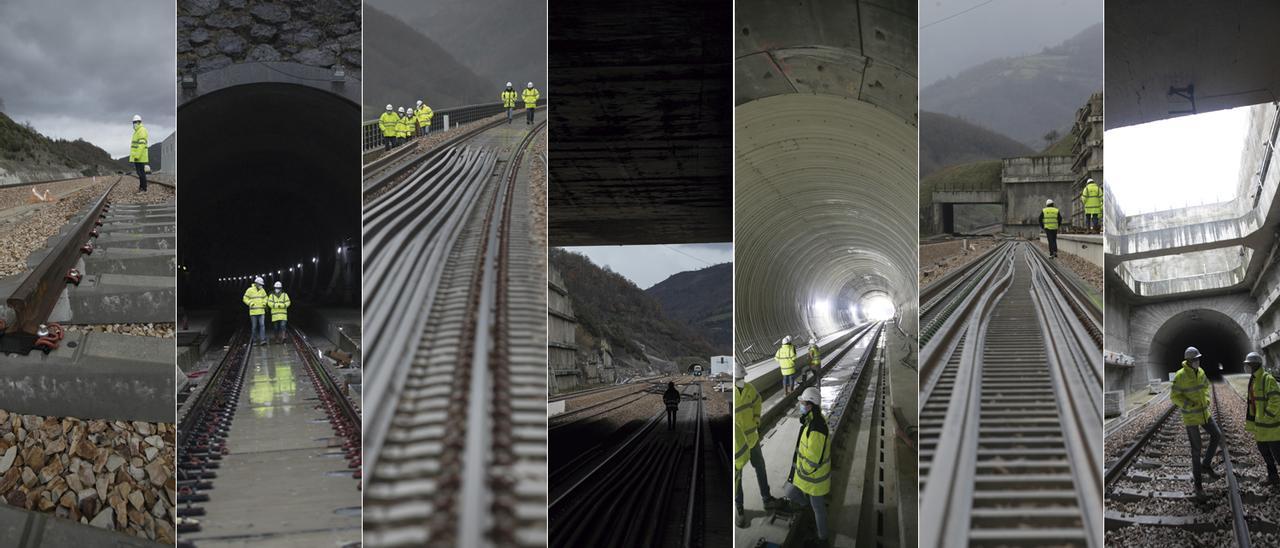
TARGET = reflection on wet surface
x,y
272,385
841,374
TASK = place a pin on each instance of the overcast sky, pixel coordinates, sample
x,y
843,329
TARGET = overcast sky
x,y
76,69
1176,162
646,265
958,34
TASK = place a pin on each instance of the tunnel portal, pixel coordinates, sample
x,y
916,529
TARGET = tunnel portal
x,y
1219,338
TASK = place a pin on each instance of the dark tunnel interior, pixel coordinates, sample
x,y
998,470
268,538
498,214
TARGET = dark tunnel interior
x,y
1218,338
269,179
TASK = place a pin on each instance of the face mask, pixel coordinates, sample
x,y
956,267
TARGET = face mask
x,y
278,290
739,383
802,409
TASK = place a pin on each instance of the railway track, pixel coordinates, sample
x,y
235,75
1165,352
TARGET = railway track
x,y
1010,410
455,441
591,411
1149,488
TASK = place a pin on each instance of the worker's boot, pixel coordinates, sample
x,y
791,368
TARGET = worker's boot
x,y
773,503
743,522
1209,471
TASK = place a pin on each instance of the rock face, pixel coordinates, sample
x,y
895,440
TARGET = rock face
x,y
110,474
219,33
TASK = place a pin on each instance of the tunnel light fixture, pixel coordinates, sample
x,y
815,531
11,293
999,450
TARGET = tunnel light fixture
x,y
299,265
291,269
314,259
879,308
189,81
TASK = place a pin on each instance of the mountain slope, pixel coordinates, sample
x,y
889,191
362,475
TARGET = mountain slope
x,y
610,307
947,141
402,66
703,299
26,155
1024,97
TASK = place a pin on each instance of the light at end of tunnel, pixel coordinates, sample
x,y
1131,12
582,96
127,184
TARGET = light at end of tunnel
x,y
879,308
822,307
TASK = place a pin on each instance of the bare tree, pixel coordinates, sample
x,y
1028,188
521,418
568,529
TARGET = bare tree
x,y
1051,137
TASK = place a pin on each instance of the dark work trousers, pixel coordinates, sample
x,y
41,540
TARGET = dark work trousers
x,y
1093,220
387,142
671,417
142,175
509,111
1271,454
1052,235
1193,433
762,478
530,111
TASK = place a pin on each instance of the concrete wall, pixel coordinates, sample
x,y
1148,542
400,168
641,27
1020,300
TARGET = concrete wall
x,y
1028,182
169,158
1117,313
1144,321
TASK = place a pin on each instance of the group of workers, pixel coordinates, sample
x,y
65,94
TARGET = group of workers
x,y
530,97
398,126
1190,394
258,301
809,479
1051,217
786,357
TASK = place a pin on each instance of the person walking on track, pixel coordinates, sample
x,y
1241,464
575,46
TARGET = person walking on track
x,y
815,358
530,102
672,400
1190,394
256,299
389,124
509,97
810,476
279,303
424,114
1091,198
747,405
1262,419
786,357
1050,218
138,155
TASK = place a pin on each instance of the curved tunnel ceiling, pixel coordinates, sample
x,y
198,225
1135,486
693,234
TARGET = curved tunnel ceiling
x,y
826,166
1218,338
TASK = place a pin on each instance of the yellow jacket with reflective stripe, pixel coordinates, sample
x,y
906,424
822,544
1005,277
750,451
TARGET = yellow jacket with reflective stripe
x,y
406,125
279,304
1049,218
811,472
256,299
741,454
138,146
815,356
1092,199
530,98
389,123
747,404
786,356
424,115
1265,425
508,97
1190,393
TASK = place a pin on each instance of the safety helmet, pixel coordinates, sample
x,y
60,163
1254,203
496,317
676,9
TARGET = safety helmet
x,y
811,395
1048,202
279,285
419,101
508,84
1191,353
1090,180
258,280
740,371
390,108
137,117
786,339
401,110
530,85
813,340
408,110
1253,357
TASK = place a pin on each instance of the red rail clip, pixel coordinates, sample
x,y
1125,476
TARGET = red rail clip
x,y
74,276
87,249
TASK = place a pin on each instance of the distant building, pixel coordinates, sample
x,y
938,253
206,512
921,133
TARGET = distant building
x,y
721,364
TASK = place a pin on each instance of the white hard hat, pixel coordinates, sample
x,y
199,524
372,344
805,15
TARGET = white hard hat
x,y
530,84
508,84
401,109
1048,202
137,117
419,101
740,371
279,285
1253,357
811,395
408,110
1191,353
1090,180
813,340
389,107
258,280
786,339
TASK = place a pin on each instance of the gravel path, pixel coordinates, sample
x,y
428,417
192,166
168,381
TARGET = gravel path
x,y
110,474
538,196
127,193
1089,272
162,330
936,260
35,229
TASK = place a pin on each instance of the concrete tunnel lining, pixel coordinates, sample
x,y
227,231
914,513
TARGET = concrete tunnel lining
x,y
251,198
826,205
1218,337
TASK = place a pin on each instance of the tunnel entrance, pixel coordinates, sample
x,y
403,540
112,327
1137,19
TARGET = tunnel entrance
x,y
1218,337
269,182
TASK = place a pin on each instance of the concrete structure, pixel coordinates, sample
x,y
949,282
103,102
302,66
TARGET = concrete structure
x,y
1086,132
1202,275
562,327
169,154
642,122
721,365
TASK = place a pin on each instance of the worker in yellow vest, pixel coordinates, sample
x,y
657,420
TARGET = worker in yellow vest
x,y
138,154
424,114
410,124
747,405
530,97
1190,394
256,299
810,476
278,301
1091,198
1050,219
509,97
1262,418
400,126
786,357
815,358
389,124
